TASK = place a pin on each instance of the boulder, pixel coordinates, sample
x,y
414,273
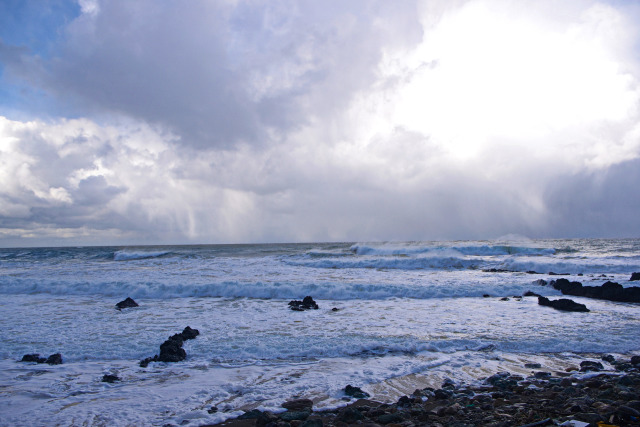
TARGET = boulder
x,y
126,303
106,378
588,365
563,304
634,277
356,392
298,405
33,358
307,303
54,359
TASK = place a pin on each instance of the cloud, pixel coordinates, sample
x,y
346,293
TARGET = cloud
x,y
302,121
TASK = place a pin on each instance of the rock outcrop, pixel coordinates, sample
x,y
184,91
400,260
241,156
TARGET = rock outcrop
x,y
126,303
307,303
562,304
171,350
610,291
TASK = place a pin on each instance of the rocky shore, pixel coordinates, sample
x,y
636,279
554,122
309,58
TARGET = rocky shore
x,y
585,395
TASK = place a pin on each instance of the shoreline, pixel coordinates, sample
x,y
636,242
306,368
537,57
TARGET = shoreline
x,y
585,395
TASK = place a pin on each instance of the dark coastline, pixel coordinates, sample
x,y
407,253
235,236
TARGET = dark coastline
x,y
588,394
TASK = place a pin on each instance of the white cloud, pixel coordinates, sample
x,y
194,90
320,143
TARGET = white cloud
x,y
289,121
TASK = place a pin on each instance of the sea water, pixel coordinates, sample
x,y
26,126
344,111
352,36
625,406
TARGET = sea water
x,y
407,315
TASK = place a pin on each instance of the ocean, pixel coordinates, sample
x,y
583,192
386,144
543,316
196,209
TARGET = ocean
x,y
392,317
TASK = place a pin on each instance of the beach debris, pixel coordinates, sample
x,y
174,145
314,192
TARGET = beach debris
x,y
54,359
610,291
307,303
126,303
171,350
634,277
108,378
356,392
563,304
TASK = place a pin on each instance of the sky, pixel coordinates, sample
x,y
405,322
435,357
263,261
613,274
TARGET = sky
x,y
233,121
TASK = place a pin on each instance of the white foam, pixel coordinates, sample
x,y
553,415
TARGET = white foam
x,y
129,254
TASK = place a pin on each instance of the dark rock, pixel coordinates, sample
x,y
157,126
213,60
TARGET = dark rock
x,y
626,410
54,359
33,358
634,277
486,296
334,309
350,415
389,418
541,282
504,299
542,375
563,304
551,273
307,303
250,415
404,401
635,360
355,392
532,365
532,272
106,378
609,291
298,405
623,366
531,294
126,303
588,365
171,350
295,415
189,334
609,358
145,362
316,422
589,417
212,410
442,394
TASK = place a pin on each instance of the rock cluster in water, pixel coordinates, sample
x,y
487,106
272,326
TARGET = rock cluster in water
x,y
307,303
171,350
54,359
610,291
563,304
541,399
